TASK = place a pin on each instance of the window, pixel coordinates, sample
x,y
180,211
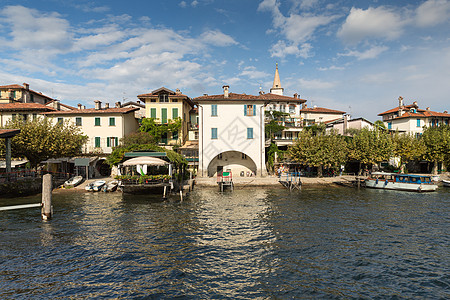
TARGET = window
x,y
78,121
219,156
31,97
112,141
97,121
292,109
163,97
288,135
196,135
175,135
249,133
390,125
112,121
13,94
153,113
164,115
60,121
174,113
282,108
34,116
152,100
97,142
244,156
174,100
213,133
418,123
249,110
214,110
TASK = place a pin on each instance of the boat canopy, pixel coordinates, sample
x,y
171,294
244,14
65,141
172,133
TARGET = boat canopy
x,y
145,160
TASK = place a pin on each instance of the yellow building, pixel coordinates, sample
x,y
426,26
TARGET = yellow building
x,y
165,105
15,93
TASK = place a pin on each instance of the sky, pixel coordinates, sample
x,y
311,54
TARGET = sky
x,y
353,56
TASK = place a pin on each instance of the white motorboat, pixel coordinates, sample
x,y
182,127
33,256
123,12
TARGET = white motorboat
x,y
74,181
110,186
89,187
446,183
402,182
97,185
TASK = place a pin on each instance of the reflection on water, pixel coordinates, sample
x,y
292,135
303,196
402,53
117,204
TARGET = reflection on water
x,y
250,243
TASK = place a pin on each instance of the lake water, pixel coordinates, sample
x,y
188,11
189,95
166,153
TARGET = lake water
x,y
253,243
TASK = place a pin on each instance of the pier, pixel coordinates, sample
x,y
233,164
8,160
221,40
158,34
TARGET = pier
x,y
291,180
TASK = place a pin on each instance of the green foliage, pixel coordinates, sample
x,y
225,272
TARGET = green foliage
x,y
379,124
138,138
118,154
319,150
317,129
274,125
158,130
370,146
143,178
407,148
271,154
41,139
437,143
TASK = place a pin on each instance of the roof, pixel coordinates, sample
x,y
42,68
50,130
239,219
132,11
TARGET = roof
x,y
7,133
133,103
321,110
122,110
17,86
244,97
25,107
176,95
61,104
422,114
396,109
341,120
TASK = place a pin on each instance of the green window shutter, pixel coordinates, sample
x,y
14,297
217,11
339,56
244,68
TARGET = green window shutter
x,y
174,113
254,110
117,141
97,141
175,135
108,142
164,115
249,133
213,133
78,121
153,113
245,110
214,110
97,121
112,121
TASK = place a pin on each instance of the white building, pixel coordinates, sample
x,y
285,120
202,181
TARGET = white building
x,y
411,119
231,134
342,125
103,125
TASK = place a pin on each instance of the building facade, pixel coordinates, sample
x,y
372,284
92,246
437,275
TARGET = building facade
x,y
231,134
103,125
164,106
15,93
411,119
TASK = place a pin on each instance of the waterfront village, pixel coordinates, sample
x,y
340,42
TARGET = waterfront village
x,y
248,136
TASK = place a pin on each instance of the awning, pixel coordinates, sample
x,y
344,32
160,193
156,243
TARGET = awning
x,y
14,163
145,160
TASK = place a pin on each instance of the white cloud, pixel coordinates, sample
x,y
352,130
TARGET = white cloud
x,y
377,22
368,54
331,68
194,3
316,84
252,73
217,38
281,49
182,4
432,12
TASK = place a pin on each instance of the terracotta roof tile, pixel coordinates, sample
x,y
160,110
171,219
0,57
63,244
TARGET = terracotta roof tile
x,y
122,110
24,106
321,110
261,97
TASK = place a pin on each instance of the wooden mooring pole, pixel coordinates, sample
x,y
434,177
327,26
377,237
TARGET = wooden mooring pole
x,y
47,209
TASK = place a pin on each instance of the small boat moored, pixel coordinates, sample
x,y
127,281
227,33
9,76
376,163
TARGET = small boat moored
x,y
73,182
97,186
110,186
446,183
401,182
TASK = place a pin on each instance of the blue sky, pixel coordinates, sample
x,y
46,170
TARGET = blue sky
x,y
355,56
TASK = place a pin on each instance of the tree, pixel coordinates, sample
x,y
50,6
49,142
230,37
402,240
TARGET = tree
x,y
158,130
407,147
274,125
370,147
40,139
319,150
137,138
273,149
380,124
437,143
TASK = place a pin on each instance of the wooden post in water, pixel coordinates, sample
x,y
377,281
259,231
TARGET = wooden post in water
x,y
47,209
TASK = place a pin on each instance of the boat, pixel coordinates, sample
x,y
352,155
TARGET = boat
x,y
89,187
73,182
97,185
401,182
446,183
110,186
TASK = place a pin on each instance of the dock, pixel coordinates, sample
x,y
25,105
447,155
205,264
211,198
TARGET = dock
x,y
225,181
291,180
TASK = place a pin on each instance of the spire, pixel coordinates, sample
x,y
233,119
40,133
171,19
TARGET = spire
x,y
276,88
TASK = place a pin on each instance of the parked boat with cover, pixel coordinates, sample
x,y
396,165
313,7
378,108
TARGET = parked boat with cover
x,y
402,182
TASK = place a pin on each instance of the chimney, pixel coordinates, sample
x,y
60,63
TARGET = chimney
x,y
106,105
225,90
139,101
445,112
84,106
79,106
26,86
56,105
178,92
295,95
118,105
305,106
428,108
344,130
400,101
415,104
98,104
205,94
